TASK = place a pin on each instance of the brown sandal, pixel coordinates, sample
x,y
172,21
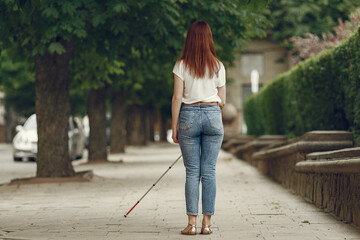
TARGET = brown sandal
x,y
206,229
189,230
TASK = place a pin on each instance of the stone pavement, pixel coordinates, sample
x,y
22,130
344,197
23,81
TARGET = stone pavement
x,y
249,206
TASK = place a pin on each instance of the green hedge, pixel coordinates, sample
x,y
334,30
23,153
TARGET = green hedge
x,y
321,93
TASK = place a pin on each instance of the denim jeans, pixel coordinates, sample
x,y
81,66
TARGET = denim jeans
x,y
200,136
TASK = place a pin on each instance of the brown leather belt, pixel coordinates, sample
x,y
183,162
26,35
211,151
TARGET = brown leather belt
x,y
202,103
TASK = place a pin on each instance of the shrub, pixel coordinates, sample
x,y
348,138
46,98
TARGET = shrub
x,y
321,93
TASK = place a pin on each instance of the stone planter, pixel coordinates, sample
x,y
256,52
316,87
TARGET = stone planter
x,y
246,151
331,180
279,163
231,143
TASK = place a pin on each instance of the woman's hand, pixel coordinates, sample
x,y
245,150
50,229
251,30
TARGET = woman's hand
x,y
221,105
175,135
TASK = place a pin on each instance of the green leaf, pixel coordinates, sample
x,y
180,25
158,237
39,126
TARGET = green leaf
x,y
137,86
56,47
51,12
81,33
70,7
26,40
98,19
38,49
121,7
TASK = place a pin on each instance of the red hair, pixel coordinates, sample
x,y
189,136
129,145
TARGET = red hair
x,y
199,53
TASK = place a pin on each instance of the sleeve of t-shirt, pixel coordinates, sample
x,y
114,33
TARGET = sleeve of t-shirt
x,y
178,70
222,76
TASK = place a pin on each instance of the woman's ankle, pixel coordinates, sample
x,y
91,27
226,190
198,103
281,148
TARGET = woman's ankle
x,y
192,219
206,220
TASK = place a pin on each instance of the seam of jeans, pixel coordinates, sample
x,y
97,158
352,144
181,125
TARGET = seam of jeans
x,y
201,128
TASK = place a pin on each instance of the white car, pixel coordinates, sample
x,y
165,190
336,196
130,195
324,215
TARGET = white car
x,y
25,141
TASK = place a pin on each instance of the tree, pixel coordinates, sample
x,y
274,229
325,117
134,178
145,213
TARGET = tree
x,y
232,22
46,31
149,66
17,81
93,73
295,18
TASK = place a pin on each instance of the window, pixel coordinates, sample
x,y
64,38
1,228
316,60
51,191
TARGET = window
x,y
252,61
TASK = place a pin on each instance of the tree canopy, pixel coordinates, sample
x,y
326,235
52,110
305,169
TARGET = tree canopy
x,y
128,44
140,38
295,18
17,81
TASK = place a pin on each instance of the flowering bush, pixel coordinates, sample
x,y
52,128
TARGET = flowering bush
x,y
311,45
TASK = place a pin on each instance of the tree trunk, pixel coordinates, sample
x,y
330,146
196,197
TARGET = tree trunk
x,y
157,124
118,123
151,116
52,105
10,123
136,128
164,127
96,110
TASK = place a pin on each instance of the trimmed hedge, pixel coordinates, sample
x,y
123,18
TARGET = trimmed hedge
x,y
321,93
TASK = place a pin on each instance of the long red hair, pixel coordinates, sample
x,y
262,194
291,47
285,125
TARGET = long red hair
x,y
199,53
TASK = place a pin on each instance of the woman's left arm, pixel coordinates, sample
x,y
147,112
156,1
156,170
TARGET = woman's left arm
x,y
222,95
176,105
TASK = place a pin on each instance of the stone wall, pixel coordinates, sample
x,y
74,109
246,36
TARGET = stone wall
x,y
331,180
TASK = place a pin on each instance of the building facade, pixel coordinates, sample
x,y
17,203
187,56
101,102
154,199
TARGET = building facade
x,y
262,58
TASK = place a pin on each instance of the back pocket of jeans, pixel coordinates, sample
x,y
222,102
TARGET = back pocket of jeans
x,y
215,119
186,119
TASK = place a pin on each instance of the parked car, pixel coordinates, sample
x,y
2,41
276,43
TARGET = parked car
x,y
76,138
25,141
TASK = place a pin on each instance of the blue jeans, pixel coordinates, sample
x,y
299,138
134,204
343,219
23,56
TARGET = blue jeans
x,y
200,136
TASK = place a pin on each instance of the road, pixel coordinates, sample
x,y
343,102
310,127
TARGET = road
x,y
10,169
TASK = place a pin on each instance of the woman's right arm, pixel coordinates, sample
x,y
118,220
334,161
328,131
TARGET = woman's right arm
x,y
176,105
222,95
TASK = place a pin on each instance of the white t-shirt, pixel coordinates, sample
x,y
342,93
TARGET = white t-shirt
x,y
200,89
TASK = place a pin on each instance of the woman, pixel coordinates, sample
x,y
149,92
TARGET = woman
x,y
199,95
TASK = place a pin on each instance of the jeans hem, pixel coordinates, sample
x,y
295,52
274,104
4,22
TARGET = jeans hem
x,y
189,213
208,214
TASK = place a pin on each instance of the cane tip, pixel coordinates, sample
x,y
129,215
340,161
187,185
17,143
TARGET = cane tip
x,y
125,216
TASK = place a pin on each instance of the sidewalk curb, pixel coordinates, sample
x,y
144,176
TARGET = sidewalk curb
x,y
83,176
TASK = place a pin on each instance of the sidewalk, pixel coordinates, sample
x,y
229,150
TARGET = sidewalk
x,y
248,206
